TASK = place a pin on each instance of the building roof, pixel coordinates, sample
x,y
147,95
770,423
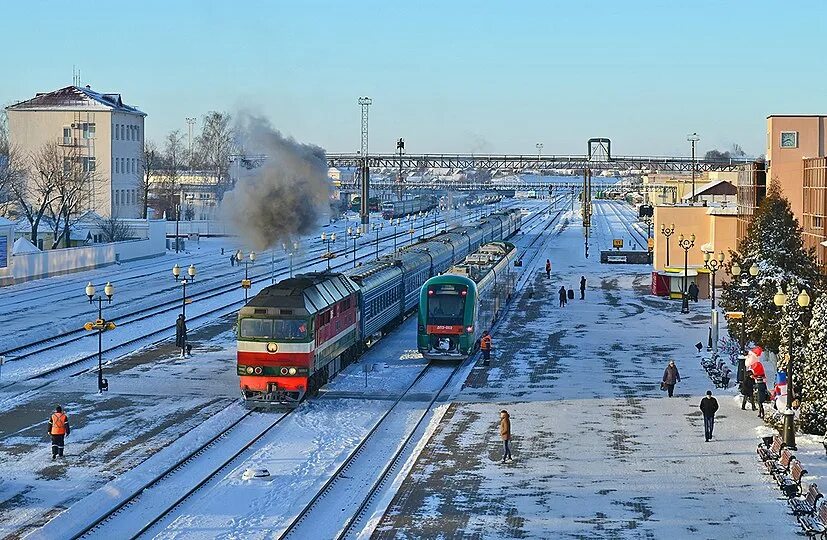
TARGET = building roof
x,y
718,187
75,98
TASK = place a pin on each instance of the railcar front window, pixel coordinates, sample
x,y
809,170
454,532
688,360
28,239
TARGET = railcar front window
x,y
257,328
446,308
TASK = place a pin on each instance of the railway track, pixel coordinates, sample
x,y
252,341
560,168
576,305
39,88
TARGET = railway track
x,y
28,351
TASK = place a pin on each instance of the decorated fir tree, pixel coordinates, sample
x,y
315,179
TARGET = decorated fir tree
x,y
774,243
813,373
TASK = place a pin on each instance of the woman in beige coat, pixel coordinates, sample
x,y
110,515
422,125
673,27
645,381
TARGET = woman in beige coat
x,y
505,434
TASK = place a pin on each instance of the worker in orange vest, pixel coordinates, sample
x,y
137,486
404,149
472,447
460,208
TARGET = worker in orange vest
x,y
58,429
485,346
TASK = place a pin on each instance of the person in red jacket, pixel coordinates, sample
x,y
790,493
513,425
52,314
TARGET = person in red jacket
x,y
58,429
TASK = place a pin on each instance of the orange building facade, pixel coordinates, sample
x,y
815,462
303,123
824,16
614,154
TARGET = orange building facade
x,y
814,221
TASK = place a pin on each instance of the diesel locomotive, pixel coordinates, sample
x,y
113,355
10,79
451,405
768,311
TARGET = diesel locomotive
x,y
294,336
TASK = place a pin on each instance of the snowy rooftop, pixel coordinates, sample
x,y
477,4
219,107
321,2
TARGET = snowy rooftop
x,y
75,98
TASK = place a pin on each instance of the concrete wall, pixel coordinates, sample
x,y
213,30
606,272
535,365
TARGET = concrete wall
x,y
29,266
7,240
202,227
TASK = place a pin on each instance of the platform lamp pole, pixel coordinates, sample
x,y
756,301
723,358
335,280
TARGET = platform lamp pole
x,y
329,238
189,278
713,265
353,234
100,325
743,287
246,283
780,299
693,138
667,232
686,244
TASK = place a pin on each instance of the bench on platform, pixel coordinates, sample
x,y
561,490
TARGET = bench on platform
x,y
780,467
773,451
815,524
791,483
807,505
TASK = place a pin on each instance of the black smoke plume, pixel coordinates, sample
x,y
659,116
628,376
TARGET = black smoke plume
x,y
282,198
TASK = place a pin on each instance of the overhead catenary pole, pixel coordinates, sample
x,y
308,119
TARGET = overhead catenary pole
x,y
364,214
190,124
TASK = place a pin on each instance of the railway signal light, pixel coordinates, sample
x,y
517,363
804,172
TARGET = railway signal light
x,y
246,283
89,326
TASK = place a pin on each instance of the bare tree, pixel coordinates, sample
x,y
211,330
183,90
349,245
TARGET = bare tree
x,y
214,146
114,229
70,192
150,162
174,157
35,191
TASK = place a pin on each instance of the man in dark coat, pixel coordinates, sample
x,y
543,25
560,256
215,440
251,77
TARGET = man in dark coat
x,y
582,287
562,294
708,407
693,292
548,269
748,390
181,334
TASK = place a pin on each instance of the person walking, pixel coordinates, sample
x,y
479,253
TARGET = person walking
x,y
582,287
58,429
693,292
181,334
671,376
570,294
485,347
232,260
548,269
505,434
748,391
562,294
708,407
763,393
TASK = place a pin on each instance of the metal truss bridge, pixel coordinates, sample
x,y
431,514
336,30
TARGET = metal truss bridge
x,y
643,164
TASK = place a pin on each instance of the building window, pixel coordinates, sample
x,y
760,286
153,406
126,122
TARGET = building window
x,y
789,139
134,165
67,135
117,197
117,135
88,129
816,222
117,165
67,164
89,164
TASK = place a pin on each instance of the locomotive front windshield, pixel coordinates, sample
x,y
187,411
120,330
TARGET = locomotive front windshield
x,y
274,329
446,304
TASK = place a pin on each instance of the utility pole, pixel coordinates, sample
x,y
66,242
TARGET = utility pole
x,y
400,145
364,213
693,138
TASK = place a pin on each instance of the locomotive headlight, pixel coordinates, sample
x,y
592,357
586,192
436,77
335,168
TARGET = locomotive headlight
x,y
469,329
284,371
292,371
258,370
249,370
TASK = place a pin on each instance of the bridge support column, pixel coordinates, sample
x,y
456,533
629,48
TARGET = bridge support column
x,y
364,211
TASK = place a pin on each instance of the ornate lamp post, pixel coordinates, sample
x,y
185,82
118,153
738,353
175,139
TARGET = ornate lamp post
x,y
743,288
329,238
189,278
376,228
246,283
411,231
100,325
713,265
686,244
780,299
353,234
667,232
290,250
395,223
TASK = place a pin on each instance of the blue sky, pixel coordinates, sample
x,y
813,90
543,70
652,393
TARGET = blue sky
x,y
453,76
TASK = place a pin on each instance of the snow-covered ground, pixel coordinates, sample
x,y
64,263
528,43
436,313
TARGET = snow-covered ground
x,y
600,451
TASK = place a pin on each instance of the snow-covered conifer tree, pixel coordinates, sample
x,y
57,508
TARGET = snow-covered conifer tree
x,y
813,373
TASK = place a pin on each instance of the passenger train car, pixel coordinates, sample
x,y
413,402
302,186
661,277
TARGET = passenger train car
x,y
296,335
456,307
397,209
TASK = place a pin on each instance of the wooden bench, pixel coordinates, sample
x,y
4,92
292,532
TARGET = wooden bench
x,y
781,467
815,524
791,483
807,505
773,452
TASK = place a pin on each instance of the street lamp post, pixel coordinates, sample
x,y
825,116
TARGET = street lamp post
x,y
353,234
189,278
246,283
395,223
714,264
686,244
667,232
539,147
411,231
291,253
100,325
693,138
329,238
779,300
744,286
377,227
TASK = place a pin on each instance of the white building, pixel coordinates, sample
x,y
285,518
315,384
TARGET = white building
x,y
99,130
